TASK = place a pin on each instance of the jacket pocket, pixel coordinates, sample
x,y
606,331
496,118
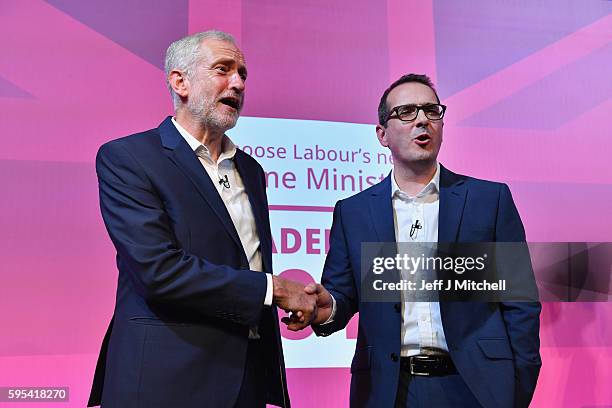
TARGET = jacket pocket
x,y
361,359
498,348
152,321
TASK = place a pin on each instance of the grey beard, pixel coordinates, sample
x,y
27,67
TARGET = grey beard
x,y
211,119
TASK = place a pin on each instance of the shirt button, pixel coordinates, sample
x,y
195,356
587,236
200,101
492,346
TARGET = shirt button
x,y
394,357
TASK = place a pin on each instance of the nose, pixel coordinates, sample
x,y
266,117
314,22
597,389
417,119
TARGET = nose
x,y
237,83
421,120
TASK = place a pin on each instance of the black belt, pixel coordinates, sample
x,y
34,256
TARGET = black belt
x,y
428,365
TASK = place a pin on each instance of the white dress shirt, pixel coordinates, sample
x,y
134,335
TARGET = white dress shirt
x,y
421,321
235,198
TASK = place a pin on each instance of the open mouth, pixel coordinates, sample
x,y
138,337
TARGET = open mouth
x,y
422,139
232,102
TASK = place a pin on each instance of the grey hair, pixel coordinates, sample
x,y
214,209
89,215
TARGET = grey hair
x,y
183,55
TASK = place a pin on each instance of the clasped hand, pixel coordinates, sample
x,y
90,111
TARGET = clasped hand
x,y
308,304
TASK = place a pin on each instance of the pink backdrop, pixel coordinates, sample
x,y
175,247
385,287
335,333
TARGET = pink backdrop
x,y
528,89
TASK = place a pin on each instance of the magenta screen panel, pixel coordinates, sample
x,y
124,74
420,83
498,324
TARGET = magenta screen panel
x,y
529,94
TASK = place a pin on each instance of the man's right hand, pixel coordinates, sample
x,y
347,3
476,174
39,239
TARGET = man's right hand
x,y
292,297
324,302
323,311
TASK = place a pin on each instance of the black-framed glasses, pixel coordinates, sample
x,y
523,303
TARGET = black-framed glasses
x,y
408,113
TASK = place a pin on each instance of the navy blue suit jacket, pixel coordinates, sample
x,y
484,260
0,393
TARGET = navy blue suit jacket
x,y
495,346
185,295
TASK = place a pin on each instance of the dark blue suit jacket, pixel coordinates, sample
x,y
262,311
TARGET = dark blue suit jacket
x,y
185,296
495,346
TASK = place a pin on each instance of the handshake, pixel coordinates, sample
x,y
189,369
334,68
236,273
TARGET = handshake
x,y
308,304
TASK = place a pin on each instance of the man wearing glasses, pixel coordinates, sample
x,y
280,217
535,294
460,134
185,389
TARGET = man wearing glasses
x,y
433,354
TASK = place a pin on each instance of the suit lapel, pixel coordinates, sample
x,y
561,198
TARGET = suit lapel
x,y
258,206
179,151
452,202
453,193
381,211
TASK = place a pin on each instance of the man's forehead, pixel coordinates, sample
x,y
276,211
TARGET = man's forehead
x,y
213,49
411,93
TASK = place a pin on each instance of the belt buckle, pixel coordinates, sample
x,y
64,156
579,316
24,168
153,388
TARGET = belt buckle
x,y
414,372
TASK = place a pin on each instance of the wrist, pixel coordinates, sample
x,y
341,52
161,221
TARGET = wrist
x,y
277,287
323,316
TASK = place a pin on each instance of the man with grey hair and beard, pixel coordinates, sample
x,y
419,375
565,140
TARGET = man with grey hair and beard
x,y
195,322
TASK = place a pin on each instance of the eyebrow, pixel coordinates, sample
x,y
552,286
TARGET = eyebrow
x,y
417,104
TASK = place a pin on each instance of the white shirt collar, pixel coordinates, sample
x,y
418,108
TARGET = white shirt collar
x,y
229,148
431,187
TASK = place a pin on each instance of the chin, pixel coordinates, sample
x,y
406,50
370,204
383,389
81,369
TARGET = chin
x,y
231,123
224,121
423,157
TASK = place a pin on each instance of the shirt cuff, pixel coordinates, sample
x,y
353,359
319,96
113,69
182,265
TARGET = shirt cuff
x,y
330,319
269,291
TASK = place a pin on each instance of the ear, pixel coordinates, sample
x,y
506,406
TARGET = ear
x,y
381,134
179,83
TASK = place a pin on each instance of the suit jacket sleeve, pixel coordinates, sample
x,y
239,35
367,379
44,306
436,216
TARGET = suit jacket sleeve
x,y
522,319
157,266
338,277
